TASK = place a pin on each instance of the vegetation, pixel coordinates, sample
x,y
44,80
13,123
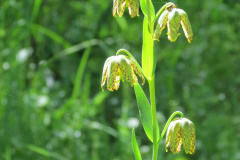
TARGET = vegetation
x,y
51,102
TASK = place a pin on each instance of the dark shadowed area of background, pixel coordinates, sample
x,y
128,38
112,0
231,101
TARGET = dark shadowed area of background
x,y
51,60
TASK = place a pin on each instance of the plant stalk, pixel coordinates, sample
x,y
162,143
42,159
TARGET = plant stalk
x,y
154,120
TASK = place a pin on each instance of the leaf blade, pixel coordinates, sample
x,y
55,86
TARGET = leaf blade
x,y
143,4
136,150
144,111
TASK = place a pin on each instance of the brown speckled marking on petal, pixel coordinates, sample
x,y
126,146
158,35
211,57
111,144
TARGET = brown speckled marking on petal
x,y
175,140
188,135
133,7
134,67
105,71
173,25
112,73
114,7
121,7
186,25
104,77
125,68
162,21
135,79
168,135
117,81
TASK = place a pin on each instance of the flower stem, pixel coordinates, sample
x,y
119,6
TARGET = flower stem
x,y
154,120
161,10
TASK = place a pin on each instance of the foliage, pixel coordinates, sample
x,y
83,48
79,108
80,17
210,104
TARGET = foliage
x,y
51,103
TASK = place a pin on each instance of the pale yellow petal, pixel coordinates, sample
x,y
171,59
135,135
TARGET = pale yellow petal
x,y
105,71
112,73
125,68
121,7
186,25
173,25
162,21
114,7
175,139
133,7
188,135
134,67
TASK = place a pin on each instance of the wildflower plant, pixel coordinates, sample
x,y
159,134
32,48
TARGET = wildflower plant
x,y
180,130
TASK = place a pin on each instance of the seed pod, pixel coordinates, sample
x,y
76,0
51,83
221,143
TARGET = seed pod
x,y
173,25
162,21
186,25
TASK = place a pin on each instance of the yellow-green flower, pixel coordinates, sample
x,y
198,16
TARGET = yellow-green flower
x,y
117,67
180,132
173,17
119,7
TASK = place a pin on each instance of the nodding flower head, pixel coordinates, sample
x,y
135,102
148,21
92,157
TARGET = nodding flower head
x,y
119,7
117,67
173,17
181,131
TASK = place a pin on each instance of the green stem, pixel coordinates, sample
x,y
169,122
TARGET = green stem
x,y
168,122
154,120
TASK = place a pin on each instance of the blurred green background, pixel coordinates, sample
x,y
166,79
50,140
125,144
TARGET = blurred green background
x,y
51,59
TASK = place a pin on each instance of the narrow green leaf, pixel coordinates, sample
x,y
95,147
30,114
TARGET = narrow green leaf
x,y
148,59
45,152
136,150
36,8
143,4
144,111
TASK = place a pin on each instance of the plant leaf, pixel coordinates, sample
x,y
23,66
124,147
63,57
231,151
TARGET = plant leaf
x,y
143,4
136,151
148,59
144,111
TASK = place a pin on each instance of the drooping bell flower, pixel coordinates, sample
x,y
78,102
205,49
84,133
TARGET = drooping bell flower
x,y
173,17
180,132
119,7
116,68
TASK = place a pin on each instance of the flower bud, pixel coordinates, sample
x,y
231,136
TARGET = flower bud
x,y
117,67
179,132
